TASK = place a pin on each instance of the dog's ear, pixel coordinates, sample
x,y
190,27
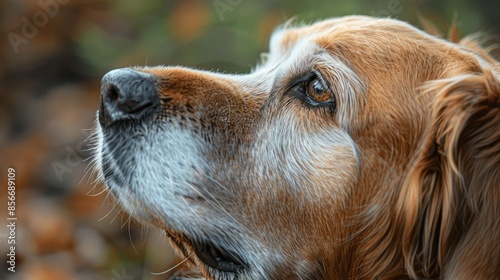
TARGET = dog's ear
x,y
449,206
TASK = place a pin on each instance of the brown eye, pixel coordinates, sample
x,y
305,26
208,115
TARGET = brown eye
x,y
312,91
318,92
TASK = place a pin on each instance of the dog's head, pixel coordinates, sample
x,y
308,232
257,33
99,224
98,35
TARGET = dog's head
x,y
360,147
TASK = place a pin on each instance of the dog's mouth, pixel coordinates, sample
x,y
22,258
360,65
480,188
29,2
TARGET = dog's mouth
x,y
211,255
122,180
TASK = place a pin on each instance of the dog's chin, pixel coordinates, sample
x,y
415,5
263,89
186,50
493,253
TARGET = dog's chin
x,y
141,213
151,170
127,201
184,236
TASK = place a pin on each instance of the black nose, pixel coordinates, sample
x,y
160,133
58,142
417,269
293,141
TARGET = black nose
x,y
127,95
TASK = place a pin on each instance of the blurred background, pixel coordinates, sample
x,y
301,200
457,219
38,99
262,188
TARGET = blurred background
x,y
52,56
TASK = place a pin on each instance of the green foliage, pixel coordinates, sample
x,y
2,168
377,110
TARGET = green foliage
x,y
228,35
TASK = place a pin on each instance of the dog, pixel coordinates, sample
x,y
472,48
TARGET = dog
x,y
359,148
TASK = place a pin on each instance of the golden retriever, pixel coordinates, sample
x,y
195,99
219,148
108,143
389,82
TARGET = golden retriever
x,y
360,148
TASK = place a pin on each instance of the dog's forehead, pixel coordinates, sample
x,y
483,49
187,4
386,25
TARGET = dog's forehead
x,y
365,34
287,34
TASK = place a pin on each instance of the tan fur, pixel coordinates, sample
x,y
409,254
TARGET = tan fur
x,y
409,188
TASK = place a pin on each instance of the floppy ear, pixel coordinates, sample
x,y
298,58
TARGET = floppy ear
x,y
450,203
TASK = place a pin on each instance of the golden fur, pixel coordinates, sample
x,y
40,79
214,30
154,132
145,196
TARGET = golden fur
x,y
401,180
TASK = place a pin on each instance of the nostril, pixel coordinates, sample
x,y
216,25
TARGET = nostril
x,y
111,95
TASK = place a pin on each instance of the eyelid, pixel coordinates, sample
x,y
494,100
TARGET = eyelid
x,y
308,77
300,80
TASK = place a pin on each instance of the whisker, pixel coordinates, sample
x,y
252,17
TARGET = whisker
x,y
97,194
130,236
109,212
91,167
172,268
118,213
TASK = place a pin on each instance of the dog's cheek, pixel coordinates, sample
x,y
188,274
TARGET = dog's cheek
x,y
312,159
